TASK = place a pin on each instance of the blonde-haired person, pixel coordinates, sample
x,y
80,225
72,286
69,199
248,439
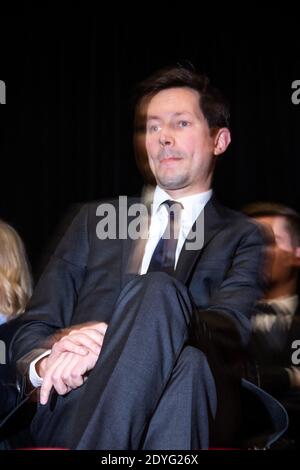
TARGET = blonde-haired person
x,y
15,277
15,291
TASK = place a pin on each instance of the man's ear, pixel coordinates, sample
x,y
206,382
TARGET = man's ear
x,y
221,140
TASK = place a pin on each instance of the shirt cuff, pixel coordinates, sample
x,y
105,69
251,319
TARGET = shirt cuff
x,y
34,378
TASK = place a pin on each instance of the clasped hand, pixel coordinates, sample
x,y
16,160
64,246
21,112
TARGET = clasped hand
x,y
71,358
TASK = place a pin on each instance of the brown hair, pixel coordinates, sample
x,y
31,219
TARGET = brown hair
x,y
274,209
213,104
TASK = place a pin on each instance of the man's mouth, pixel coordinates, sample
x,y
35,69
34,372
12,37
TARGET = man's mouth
x,y
170,159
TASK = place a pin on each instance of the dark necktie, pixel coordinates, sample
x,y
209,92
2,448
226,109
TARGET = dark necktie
x,y
163,258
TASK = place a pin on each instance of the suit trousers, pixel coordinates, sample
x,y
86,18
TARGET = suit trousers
x,y
149,389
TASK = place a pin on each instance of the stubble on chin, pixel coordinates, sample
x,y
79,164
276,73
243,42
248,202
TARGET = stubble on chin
x,y
169,182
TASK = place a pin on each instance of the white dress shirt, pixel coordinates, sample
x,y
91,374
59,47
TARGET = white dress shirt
x,y
285,308
275,326
192,207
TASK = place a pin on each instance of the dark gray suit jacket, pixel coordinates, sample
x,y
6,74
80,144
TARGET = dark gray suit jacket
x,y
85,276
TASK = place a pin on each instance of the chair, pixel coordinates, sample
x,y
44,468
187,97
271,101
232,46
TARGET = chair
x,y
264,419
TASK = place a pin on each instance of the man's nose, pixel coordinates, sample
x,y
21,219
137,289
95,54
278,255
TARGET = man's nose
x,y
166,139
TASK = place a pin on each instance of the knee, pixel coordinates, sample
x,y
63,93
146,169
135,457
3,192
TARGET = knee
x,y
193,359
158,280
167,291
164,284
155,281
159,297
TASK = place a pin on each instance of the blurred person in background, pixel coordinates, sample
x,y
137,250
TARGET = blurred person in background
x,y
15,291
276,322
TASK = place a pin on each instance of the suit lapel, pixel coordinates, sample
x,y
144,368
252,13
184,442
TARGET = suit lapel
x,y
133,250
208,224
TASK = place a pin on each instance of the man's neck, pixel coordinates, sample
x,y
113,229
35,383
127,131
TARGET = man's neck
x,y
184,192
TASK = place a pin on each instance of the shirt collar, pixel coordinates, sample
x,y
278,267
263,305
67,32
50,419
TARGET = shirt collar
x,y
189,203
288,304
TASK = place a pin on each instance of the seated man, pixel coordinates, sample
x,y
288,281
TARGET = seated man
x,y
136,343
276,322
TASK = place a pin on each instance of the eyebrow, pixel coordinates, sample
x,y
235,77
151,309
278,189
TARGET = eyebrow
x,y
149,118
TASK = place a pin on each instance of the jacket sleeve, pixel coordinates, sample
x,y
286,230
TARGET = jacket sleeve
x,y
52,304
225,323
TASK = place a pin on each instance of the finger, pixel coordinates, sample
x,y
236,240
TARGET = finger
x,y
89,339
101,327
53,357
95,335
76,370
73,374
47,380
93,332
68,344
59,372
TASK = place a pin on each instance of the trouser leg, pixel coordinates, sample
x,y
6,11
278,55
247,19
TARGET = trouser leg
x,y
184,415
145,337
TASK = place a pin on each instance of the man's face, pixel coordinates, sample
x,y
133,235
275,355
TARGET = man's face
x,y
283,253
180,147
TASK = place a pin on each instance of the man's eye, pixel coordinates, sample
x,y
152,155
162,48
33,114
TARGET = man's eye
x,y
184,124
153,128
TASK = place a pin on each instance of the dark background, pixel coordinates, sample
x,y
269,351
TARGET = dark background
x,y
65,132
